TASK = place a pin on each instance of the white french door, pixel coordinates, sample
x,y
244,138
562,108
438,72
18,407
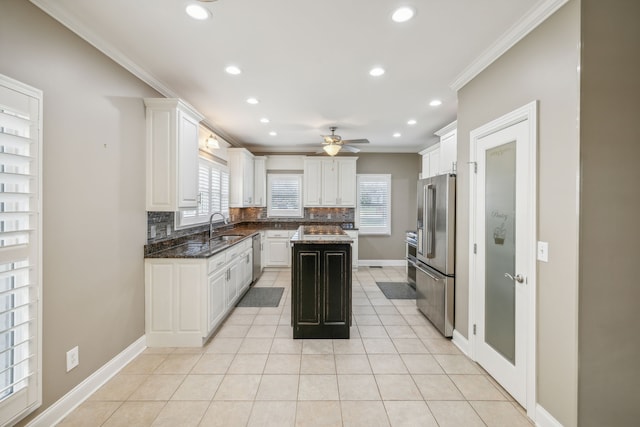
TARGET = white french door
x,y
503,268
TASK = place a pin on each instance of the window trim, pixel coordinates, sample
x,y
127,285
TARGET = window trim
x,y
271,213
373,231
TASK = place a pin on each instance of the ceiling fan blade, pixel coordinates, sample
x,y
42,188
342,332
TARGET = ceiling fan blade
x,y
355,141
350,149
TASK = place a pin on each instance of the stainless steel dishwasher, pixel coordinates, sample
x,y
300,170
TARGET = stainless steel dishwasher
x,y
257,261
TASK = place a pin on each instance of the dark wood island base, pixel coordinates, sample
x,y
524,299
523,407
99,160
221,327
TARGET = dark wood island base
x,y
321,283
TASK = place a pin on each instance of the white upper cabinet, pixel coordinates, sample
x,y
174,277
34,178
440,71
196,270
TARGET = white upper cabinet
x,y
441,157
448,148
431,161
260,181
171,155
330,182
241,178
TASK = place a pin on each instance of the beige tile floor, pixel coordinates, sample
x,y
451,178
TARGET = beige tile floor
x,y
396,370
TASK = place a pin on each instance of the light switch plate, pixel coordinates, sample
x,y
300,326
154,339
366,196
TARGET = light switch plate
x,y
543,251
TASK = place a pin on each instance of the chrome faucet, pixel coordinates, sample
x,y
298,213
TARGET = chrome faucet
x,y
211,222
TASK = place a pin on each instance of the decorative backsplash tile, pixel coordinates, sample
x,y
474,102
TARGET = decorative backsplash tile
x,y
162,223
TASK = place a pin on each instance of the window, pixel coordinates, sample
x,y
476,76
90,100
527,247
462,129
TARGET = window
x,y
213,187
374,204
20,249
284,196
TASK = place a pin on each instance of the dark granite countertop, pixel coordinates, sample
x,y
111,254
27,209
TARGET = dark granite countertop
x,y
325,234
198,245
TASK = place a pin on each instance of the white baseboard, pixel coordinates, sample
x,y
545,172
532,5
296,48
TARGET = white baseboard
x,y
70,401
545,419
382,262
461,342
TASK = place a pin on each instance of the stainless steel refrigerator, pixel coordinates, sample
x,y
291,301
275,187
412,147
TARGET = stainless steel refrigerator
x,y
435,266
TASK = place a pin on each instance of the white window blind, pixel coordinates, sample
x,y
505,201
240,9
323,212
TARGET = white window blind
x,y
213,187
284,198
374,204
20,249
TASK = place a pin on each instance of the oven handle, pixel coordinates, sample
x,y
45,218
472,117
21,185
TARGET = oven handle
x,y
427,273
411,262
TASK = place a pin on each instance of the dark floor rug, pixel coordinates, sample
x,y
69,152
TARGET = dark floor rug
x,y
397,290
261,297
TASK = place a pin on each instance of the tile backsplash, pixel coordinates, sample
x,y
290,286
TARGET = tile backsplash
x,y
163,223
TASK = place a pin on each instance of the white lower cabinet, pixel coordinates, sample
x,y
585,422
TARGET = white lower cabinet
x,y
354,248
278,248
187,299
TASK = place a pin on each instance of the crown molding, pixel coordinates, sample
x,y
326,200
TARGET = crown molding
x,y
53,9
517,32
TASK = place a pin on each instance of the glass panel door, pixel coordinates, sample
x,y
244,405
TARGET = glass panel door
x,y
500,208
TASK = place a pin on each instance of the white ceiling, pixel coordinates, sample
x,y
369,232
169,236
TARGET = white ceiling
x,y
307,61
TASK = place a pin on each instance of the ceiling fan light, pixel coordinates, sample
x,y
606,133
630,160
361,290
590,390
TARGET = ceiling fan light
x,y
212,142
331,149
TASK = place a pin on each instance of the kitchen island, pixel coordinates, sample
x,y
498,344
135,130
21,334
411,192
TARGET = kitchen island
x,y
321,282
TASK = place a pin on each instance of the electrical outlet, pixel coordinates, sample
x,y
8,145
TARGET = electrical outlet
x,y
153,231
73,358
328,216
311,216
543,251
168,230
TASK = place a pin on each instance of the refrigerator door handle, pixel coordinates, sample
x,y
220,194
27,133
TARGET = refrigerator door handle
x,y
427,273
420,247
430,211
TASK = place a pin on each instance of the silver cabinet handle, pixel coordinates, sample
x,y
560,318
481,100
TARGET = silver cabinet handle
x,y
427,273
518,277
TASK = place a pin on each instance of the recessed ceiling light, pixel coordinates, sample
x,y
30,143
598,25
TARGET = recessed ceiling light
x,y
376,72
397,135
411,122
264,120
435,103
232,69
403,14
272,133
197,12
252,101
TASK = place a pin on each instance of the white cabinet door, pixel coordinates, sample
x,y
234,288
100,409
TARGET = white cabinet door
x,y
187,161
434,163
278,252
347,182
217,303
312,182
171,155
231,284
448,153
354,248
240,178
259,181
330,171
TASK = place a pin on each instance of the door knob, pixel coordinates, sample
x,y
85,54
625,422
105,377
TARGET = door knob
x,y
518,277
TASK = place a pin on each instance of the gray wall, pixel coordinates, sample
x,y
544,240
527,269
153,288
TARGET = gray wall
x,y
404,169
542,66
94,222
609,348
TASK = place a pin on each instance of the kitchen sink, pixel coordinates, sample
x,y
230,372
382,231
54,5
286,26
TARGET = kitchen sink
x,y
227,238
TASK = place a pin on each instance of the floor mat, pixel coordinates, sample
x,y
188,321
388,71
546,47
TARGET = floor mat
x,y
397,290
261,297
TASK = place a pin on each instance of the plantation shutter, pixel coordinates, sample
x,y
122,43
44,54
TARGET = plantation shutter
x,y
374,204
20,249
285,195
213,190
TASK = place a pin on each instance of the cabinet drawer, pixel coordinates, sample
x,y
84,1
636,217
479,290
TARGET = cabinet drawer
x,y
216,262
278,233
233,252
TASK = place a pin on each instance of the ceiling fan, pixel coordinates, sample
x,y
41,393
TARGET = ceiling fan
x,y
334,143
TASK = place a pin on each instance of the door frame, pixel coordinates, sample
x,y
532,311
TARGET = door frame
x,y
527,112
